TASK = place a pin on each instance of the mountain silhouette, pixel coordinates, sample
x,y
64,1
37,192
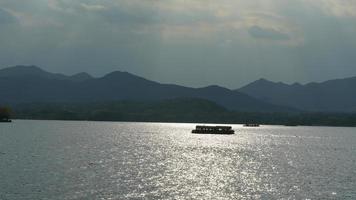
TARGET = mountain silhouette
x,y
28,84
36,72
337,95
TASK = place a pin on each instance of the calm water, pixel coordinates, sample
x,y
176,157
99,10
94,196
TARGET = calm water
x,y
108,160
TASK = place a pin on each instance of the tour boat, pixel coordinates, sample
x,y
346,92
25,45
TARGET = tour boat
x,y
213,130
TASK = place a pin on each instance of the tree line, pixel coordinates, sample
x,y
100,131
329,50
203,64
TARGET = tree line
x,y
175,110
5,113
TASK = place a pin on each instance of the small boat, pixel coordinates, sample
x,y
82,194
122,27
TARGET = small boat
x,y
251,125
213,130
5,120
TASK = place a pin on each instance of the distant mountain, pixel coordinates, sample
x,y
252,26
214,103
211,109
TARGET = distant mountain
x,y
331,96
36,72
28,71
80,77
26,84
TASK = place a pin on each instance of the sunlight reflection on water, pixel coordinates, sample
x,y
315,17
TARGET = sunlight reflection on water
x,y
81,160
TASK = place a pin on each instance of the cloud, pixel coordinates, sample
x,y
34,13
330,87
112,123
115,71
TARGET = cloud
x,y
244,39
6,17
121,16
267,33
93,7
338,8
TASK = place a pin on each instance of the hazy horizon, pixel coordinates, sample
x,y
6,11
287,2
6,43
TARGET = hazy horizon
x,y
190,43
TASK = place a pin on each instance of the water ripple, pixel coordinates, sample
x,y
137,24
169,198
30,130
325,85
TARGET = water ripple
x,y
92,160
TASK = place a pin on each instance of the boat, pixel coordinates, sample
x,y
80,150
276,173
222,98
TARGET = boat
x,y
251,125
213,130
5,120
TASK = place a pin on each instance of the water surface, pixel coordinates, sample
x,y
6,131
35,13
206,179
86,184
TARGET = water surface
x,y
113,160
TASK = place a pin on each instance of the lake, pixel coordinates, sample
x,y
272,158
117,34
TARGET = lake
x,y
116,160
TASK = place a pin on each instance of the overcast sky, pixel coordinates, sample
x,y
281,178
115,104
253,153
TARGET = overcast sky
x,y
188,42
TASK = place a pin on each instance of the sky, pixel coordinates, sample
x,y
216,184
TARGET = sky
x,y
188,42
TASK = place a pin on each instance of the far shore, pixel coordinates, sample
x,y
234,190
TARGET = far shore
x,y
188,122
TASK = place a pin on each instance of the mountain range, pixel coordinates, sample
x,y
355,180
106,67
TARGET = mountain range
x,y
30,84
337,95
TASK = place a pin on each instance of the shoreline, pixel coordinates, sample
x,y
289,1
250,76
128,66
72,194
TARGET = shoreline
x,y
185,122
